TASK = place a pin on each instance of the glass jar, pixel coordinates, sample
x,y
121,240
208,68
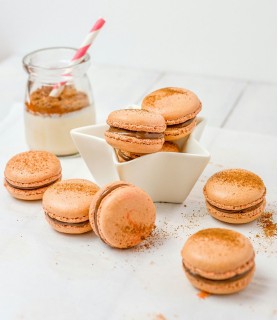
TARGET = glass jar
x,y
49,116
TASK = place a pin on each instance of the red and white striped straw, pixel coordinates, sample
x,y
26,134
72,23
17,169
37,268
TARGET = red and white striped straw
x,y
79,55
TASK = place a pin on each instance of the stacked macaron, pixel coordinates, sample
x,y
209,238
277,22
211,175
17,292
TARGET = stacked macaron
x,y
167,114
178,106
134,131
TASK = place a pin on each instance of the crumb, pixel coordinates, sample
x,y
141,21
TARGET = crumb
x,y
203,294
267,224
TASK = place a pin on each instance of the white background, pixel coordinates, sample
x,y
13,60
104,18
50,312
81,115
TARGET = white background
x,y
235,38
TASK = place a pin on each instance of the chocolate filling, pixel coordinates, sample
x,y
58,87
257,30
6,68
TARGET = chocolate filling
x,y
31,188
124,156
181,125
101,197
137,134
237,211
63,223
232,279
128,158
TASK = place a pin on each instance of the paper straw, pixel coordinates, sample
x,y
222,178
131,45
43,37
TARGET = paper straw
x,y
79,55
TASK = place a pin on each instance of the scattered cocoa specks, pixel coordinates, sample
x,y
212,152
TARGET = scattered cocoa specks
x,y
267,224
203,294
154,241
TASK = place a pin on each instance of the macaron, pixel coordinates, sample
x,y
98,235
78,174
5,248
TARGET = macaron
x,y
124,156
122,215
135,130
178,106
29,174
218,261
235,196
169,146
66,205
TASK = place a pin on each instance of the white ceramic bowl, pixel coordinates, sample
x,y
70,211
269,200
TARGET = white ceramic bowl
x,y
165,176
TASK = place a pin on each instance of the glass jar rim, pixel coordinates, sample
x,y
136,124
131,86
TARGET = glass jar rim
x,y
26,60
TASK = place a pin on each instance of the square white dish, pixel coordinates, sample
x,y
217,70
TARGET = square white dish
x,y
165,176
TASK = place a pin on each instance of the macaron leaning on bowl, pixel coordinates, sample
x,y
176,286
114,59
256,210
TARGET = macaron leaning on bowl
x,y
235,196
178,106
135,130
29,174
218,261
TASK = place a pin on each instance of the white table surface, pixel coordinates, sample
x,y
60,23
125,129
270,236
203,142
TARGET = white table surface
x,y
47,275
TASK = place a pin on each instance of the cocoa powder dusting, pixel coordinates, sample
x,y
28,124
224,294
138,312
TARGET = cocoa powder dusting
x,y
68,101
267,224
240,177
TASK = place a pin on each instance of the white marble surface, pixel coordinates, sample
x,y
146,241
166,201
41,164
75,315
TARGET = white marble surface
x,y
47,275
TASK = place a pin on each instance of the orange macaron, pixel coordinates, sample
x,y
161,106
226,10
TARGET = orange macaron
x,y
218,261
122,215
135,130
178,106
29,174
235,196
66,205
124,156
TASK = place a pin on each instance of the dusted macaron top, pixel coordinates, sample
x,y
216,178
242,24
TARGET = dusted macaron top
x,y
32,166
136,120
70,199
176,105
218,253
234,188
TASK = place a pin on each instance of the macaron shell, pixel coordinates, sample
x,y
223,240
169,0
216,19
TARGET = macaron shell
x,y
236,218
125,216
176,105
218,253
35,194
172,134
69,200
234,189
132,144
221,287
69,229
136,120
169,147
32,169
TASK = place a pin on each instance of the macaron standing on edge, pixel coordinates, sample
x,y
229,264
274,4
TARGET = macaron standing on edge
x,y
135,130
235,196
218,261
122,215
66,205
178,106
29,174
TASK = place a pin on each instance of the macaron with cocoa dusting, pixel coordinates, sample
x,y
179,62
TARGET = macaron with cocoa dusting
x,y
66,205
178,106
122,215
135,130
29,174
124,156
218,261
235,196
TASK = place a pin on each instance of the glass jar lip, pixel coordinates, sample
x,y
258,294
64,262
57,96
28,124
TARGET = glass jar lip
x,y
27,61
